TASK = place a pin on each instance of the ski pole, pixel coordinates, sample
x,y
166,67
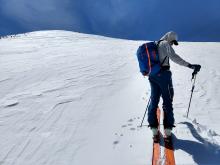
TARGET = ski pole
x,y
193,87
145,112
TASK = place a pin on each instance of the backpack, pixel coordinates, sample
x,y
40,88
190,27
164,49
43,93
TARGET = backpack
x,y
148,59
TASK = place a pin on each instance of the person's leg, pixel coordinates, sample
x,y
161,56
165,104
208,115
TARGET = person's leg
x,y
167,95
152,109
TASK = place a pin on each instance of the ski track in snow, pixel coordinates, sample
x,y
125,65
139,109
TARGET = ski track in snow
x,y
70,98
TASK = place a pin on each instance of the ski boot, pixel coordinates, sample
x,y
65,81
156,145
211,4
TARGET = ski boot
x,y
168,134
156,136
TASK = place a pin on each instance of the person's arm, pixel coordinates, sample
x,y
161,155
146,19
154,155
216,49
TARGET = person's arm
x,y
175,57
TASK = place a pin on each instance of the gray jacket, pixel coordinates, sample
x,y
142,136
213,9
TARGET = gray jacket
x,y
165,50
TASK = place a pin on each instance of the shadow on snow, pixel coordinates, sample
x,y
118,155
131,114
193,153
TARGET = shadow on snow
x,y
203,152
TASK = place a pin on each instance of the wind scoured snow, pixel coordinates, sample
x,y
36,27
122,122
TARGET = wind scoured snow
x,y
75,99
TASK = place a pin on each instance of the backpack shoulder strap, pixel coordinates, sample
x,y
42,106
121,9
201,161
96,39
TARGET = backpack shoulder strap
x,y
163,61
158,42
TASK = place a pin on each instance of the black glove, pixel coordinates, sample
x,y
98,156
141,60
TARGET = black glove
x,y
196,69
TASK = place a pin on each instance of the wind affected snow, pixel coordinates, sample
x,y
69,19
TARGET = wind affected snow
x,y
75,99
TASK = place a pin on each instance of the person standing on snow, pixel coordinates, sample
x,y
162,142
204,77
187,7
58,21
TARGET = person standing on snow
x,y
161,84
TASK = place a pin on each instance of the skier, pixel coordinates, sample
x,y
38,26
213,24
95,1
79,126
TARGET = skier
x,y
161,84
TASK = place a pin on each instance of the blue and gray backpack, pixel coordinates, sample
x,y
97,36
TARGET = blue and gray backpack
x,y
148,58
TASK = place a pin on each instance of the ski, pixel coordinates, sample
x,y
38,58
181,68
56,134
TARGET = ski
x,y
168,147
168,150
156,145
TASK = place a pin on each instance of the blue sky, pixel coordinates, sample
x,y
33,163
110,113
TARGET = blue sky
x,y
193,20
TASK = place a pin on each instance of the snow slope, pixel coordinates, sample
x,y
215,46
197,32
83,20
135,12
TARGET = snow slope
x,y
74,99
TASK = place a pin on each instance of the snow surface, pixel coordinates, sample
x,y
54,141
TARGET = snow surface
x,y
75,99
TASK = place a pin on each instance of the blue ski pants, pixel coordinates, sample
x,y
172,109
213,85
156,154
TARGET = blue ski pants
x,y
161,85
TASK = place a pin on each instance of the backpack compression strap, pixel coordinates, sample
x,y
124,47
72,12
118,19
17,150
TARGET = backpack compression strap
x,y
148,56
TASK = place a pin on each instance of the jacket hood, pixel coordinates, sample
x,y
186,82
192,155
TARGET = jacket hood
x,y
170,36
